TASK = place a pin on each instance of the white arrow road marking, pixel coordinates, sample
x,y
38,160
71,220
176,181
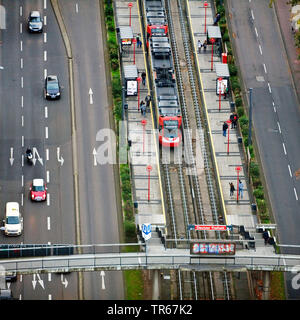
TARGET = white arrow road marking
x,y
11,159
102,274
41,282
91,96
59,158
95,156
8,285
34,281
34,151
65,283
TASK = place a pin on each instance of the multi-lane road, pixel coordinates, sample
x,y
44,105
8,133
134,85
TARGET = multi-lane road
x,y
276,114
28,120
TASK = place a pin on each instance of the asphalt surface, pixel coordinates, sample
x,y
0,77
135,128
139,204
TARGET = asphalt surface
x,y
97,196
276,115
28,120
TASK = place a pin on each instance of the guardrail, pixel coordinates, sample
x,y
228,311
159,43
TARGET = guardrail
x,y
168,260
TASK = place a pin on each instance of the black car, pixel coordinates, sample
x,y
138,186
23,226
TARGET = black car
x,y
35,22
52,88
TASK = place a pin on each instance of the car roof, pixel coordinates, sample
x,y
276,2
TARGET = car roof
x,y
12,208
38,182
35,14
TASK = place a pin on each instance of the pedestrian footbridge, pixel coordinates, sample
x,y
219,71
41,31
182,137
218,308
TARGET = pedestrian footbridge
x,y
154,257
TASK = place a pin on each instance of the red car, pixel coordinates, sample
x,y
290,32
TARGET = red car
x,y
38,190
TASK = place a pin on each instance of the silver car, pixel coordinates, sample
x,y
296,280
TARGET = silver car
x,y
35,22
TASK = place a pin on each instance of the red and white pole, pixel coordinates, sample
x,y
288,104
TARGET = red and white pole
x,y
130,6
212,40
149,168
144,122
134,42
205,6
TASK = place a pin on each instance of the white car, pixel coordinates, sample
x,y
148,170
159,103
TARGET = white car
x,y
13,223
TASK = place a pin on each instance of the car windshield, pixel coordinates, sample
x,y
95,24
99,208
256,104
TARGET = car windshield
x,y
12,220
171,133
35,19
52,85
38,188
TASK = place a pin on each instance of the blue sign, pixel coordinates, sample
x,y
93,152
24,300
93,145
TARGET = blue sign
x,y
146,230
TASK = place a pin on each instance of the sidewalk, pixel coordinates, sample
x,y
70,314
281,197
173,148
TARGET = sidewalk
x,y
283,11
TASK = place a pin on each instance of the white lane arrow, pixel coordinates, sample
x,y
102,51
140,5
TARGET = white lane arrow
x,y
91,96
102,274
35,152
34,281
41,282
8,285
65,283
59,158
95,156
11,159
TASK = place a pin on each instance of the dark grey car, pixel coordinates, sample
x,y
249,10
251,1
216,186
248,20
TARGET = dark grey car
x,y
52,88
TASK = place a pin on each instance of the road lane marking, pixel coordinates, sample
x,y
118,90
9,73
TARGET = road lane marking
x,y
45,73
45,37
45,20
21,63
278,126
284,148
22,199
45,55
290,171
46,112
269,87
21,11
45,4
49,297
22,121
252,14
22,82
48,176
22,180
49,276
48,199
22,101
48,223
256,32
21,277
76,7
46,132
22,141
21,45
260,49
22,160
265,68
296,195
21,27
47,154
274,109
20,297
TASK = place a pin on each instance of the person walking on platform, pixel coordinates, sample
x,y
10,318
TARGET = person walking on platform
x,y
232,189
199,46
241,189
144,78
225,127
143,108
204,45
148,99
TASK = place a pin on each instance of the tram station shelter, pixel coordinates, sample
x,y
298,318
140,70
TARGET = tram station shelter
x,y
222,71
130,76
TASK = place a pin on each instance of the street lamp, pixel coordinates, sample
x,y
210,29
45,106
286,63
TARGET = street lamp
x,y
228,122
144,122
212,40
220,83
134,42
205,6
149,168
139,81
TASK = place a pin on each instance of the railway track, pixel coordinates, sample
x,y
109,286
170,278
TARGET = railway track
x,y
189,187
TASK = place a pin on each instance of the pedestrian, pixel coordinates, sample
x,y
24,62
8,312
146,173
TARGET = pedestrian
x,y
235,119
148,99
137,40
232,189
204,45
217,18
225,127
199,46
143,108
140,42
144,78
231,118
241,189
225,90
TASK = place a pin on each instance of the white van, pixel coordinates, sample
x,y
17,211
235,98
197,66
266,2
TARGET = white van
x,y
13,223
